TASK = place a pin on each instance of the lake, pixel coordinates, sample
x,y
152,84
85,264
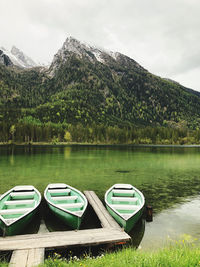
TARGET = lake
x,y
169,178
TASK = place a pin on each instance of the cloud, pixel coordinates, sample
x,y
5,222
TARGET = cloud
x,y
163,36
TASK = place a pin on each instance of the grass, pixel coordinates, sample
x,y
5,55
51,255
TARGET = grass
x,y
181,254
178,255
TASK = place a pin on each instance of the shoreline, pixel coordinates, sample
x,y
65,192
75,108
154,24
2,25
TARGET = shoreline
x,y
35,144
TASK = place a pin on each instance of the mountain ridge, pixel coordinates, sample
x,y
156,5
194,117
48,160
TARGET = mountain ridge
x,y
85,84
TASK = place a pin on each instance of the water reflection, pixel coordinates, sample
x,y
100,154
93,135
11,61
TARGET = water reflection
x,y
137,233
174,224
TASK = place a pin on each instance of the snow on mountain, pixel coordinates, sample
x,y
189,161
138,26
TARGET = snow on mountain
x,y
82,50
86,51
27,61
18,58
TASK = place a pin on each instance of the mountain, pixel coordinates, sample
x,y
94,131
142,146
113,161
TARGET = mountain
x,y
89,85
17,58
87,52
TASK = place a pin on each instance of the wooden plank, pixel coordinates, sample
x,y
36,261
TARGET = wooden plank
x,y
68,238
105,218
111,220
29,257
104,222
35,257
19,258
43,228
58,234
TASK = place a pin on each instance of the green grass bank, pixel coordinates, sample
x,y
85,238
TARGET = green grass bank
x,y
179,255
171,256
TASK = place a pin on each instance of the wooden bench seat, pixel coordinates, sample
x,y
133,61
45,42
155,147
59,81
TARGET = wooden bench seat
x,y
22,194
123,207
19,202
57,198
14,211
71,205
124,199
125,186
57,191
123,191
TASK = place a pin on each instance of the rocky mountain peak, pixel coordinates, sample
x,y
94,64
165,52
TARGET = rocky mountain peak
x,y
73,45
22,58
82,50
16,57
92,53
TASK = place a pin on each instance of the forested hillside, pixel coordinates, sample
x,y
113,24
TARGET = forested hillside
x,y
80,88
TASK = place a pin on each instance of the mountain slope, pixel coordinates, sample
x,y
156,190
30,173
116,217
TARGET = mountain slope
x,y
88,85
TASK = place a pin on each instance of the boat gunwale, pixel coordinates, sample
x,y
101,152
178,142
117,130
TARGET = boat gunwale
x,y
26,213
66,210
117,212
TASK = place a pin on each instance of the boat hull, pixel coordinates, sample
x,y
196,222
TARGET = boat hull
x,y
18,226
127,225
71,220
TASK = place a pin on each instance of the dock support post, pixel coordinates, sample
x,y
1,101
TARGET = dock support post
x,y
149,213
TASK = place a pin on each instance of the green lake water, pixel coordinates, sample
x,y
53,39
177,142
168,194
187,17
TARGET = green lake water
x,y
169,178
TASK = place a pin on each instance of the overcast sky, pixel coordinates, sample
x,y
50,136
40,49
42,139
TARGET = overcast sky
x,y
163,36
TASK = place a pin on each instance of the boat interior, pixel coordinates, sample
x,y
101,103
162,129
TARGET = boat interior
x,y
19,201
124,199
66,198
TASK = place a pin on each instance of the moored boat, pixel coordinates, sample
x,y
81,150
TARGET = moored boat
x,y
125,203
17,208
67,203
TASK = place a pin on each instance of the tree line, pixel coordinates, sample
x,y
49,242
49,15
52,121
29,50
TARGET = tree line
x,y
35,131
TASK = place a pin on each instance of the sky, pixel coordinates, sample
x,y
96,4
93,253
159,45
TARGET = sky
x,y
162,36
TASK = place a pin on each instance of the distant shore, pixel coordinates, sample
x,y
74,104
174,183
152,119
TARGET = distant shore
x,y
94,144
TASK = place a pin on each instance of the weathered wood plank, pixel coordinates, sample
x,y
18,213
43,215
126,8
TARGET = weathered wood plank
x,y
57,234
29,257
111,220
19,258
43,228
35,257
69,238
105,218
104,222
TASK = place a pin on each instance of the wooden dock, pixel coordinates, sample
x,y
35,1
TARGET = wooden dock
x,y
28,250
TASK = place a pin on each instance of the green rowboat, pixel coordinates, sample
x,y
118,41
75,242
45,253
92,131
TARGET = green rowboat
x,y
17,207
125,203
67,203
